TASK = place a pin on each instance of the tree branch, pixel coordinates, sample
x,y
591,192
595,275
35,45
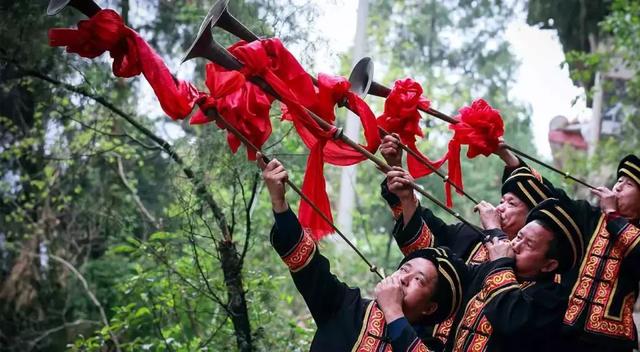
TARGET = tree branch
x,y
33,343
247,214
229,257
166,146
136,199
92,297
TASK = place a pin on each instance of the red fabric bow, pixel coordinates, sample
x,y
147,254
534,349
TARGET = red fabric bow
x,y
401,116
105,31
271,61
480,127
241,103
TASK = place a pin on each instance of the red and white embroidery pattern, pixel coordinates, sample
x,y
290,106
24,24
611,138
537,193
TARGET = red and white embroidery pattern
x,y
301,254
604,260
423,239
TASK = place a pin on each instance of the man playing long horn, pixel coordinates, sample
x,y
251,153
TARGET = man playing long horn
x,y
426,288
604,287
519,306
512,302
520,193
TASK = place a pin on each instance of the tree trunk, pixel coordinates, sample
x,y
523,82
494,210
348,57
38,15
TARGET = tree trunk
x,y
232,269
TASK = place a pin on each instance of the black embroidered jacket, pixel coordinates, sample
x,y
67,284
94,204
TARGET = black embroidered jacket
x,y
428,230
462,240
603,288
499,312
345,320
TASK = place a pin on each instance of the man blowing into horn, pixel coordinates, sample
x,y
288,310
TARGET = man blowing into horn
x,y
521,191
603,287
512,302
425,289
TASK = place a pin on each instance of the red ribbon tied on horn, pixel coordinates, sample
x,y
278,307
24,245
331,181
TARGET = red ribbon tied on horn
x,y
105,31
401,116
241,103
480,127
270,60
331,91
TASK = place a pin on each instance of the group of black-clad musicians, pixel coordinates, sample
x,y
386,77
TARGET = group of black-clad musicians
x,y
545,272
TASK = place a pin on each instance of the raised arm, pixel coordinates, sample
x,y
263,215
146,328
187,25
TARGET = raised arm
x,y
392,154
311,272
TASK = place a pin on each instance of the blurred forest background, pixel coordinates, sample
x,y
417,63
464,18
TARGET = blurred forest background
x,y
123,230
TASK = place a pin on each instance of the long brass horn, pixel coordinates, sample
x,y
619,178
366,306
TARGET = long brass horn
x,y
87,7
380,90
218,54
205,46
224,19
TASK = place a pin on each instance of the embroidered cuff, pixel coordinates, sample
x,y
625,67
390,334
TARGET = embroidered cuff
x,y
415,235
301,254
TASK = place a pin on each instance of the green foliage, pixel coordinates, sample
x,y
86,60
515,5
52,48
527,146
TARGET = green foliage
x,y
73,176
620,30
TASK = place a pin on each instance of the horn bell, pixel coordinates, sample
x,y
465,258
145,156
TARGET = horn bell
x,y
87,7
221,17
361,76
202,45
205,46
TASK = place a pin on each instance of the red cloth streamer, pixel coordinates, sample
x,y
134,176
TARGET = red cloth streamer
x,y
271,61
105,31
480,127
401,116
331,91
242,104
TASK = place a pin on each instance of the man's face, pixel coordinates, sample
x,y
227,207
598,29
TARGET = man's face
x,y
627,197
419,279
530,247
513,214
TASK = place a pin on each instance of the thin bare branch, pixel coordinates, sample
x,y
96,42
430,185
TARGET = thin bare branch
x,y
92,297
248,206
135,196
33,343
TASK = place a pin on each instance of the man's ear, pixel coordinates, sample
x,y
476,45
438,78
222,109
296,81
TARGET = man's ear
x,y
550,265
432,307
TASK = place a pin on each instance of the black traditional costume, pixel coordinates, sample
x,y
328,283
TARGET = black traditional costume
x,y
501,311
604,287
464,241
346,321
